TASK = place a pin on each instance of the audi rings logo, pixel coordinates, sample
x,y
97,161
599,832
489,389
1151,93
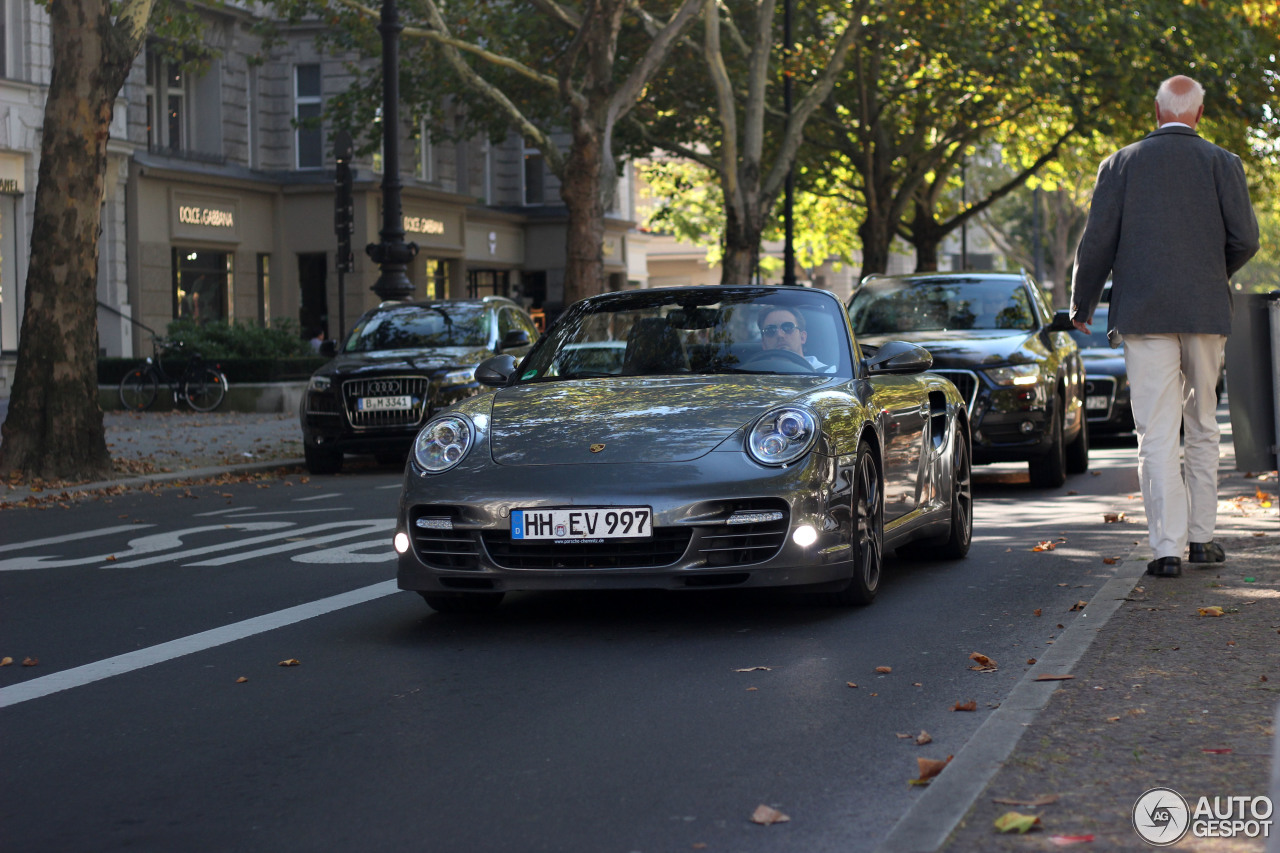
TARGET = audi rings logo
x,y
1161,816
383,386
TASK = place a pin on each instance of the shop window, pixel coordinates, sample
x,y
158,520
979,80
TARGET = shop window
x,y
264,290
202,285
488,283
308,107
437,279
534,186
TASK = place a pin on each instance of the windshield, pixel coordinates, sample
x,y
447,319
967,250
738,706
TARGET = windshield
x,y
696,331
420,327
931,305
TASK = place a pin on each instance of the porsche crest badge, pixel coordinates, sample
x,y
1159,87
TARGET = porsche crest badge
x,y
596,448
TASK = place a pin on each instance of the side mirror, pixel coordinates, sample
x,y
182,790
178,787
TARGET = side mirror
x,y
1061,321
496,372
514,339
900,357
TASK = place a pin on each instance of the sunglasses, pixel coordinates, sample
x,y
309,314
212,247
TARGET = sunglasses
x,y
773,328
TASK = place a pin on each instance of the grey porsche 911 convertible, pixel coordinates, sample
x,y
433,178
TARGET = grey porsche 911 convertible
x,y
740,438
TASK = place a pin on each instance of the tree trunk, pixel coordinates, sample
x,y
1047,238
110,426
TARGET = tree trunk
x,y
876,239
582,193
54,428
741,247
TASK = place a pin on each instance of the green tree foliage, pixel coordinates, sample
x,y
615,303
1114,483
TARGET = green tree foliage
x,y
282,339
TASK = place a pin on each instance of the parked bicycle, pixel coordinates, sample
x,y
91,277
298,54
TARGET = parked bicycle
x,y
202,385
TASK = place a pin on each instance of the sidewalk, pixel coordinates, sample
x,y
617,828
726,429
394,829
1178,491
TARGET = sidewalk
x,y
154,447
1162,695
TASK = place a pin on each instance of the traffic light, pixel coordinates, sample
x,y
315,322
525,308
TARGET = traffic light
x,y
343,206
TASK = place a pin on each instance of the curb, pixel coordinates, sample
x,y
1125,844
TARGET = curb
x,y
927,825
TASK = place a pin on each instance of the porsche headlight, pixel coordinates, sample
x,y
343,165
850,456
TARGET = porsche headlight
x,y
1015,374
443,443
320,383
782,436
459,377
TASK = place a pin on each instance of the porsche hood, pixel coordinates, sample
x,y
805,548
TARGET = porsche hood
x,y
631,420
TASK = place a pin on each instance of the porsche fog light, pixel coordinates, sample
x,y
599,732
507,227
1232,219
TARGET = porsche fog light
x,y
442,443
782,436
804,535
401,543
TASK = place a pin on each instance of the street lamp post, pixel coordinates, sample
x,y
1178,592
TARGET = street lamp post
x,y
392,254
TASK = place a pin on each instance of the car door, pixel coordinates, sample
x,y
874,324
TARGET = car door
x,y
902,404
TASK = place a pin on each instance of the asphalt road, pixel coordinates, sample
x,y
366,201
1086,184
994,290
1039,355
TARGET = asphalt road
x,y
592,722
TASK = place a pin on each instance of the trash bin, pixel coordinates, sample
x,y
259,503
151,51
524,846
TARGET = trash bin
x,y
1253,371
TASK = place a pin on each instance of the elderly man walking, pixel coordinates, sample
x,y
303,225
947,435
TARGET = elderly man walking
x,y
1170,222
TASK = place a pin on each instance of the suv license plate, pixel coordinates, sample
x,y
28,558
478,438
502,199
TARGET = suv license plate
x,y
583,523
383,404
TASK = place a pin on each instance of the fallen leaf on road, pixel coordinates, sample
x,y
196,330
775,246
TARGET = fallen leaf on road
x,y
1110,561
8,661
1113,517
1211,611
764,815
851,684
984,663
1042,800
1067,840
1046,545
1217,751
290,662
1031,661
884,669
971,705
929,767
755,669
30,661
1016,822
1054,677
904,735
923,738
1036,612
1113,719
241,680
1079,605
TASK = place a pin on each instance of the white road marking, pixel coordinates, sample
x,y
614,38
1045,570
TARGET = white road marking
x,y
165,542
353,552
319,497
311,542
70,537
120,664
282,530
292,512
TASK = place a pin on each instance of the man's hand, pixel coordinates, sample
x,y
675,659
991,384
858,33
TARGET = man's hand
x,y
1084,327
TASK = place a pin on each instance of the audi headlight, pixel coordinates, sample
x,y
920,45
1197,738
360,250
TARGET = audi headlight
x,y
782,436
320,383
459,377
443,443
1015,374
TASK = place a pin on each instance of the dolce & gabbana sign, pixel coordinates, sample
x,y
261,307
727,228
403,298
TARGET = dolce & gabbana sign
x,y
205,217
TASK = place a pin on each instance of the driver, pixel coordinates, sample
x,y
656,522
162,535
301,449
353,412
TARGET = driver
x,y
782,328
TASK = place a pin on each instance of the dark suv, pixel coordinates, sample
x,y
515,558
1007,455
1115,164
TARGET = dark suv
x,y
998,339
401,363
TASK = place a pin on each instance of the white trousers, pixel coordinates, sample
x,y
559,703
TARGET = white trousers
x,y
1171,385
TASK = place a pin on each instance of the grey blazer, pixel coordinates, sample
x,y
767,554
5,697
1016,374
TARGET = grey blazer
x,y
1170,222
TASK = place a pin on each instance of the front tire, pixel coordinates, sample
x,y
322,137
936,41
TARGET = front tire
x,y
322,460
868,533
1050,471
206,389
138,390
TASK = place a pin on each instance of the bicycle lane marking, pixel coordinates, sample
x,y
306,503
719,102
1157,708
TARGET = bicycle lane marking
x,y
164,541
130,661
71,537
283,530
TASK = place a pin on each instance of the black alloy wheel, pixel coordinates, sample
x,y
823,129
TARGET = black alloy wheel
x,y
868,532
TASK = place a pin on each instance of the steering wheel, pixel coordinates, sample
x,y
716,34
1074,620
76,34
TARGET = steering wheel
x,y
786,355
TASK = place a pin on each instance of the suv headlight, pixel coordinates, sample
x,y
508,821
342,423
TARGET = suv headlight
x,y
782,436
1014,374
459,377
320,383
443,443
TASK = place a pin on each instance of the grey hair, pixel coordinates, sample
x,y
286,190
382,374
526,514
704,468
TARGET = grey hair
x,y
1185,103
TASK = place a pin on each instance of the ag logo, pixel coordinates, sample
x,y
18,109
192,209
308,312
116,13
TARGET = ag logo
x,y
1161,817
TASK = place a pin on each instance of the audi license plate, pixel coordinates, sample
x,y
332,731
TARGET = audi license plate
x,y
583,524
1096,402
384,404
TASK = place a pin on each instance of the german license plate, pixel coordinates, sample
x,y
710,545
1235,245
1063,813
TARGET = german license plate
x,y
384,404
583,524
1096,402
